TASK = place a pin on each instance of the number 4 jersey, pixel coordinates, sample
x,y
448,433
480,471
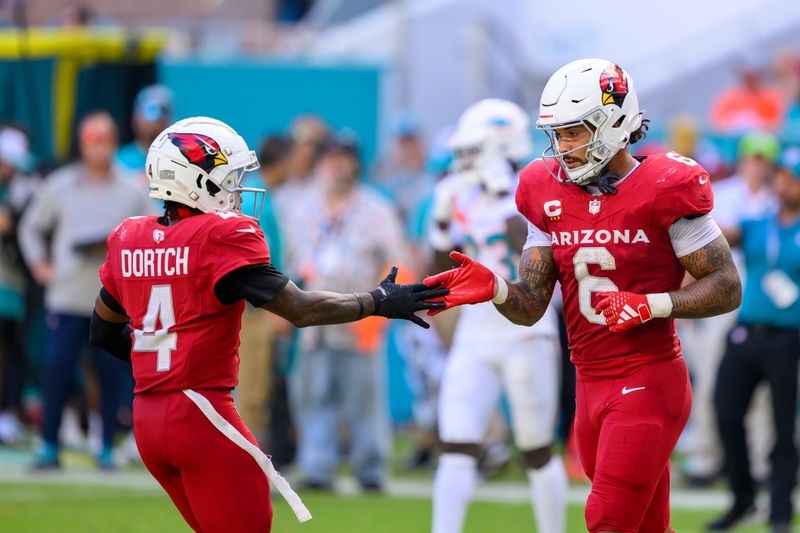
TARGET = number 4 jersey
x,y
164,277
620,242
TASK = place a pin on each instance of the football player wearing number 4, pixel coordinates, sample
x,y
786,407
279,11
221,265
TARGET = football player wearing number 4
x,y
171,303
474,208
618,233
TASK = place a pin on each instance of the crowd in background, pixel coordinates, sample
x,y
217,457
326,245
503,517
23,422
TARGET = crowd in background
x,y
314,395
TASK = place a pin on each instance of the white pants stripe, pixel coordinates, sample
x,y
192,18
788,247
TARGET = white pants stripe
x,y
279,482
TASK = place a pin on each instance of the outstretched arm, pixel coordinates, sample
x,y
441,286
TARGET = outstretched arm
x,y
390,300
314,308
529,297
717,288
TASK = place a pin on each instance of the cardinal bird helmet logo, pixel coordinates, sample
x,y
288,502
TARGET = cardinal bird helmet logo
x,y
199,150
614,85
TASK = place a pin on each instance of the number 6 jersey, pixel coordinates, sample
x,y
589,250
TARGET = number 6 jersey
x,y
619,242
164,277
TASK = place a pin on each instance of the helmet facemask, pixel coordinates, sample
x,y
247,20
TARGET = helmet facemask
x,y
255,197
465,158
227,194
597,153
599,96
479,164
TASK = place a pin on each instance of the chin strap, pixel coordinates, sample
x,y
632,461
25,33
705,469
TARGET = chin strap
x,y
604,182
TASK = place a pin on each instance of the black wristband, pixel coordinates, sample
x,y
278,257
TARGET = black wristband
x,y
376,294
360,306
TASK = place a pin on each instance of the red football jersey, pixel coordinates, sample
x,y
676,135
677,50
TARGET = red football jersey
x,y
616,242
164,277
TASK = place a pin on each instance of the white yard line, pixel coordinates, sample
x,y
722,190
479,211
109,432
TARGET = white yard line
x,y
72,477
501,492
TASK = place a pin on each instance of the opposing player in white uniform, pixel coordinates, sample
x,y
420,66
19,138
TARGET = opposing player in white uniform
x,y
474,209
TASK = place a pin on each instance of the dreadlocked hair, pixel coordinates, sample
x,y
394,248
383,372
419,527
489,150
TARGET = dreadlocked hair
x,y
640,133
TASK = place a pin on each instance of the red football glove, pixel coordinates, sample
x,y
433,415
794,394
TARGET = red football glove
x,y
471,283
623,310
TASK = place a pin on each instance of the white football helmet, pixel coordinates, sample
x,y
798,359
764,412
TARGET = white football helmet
x,y
200,162
599,95
489,134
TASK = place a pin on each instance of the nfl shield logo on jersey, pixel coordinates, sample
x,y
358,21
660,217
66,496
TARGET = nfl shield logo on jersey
x,y
594,207
158,236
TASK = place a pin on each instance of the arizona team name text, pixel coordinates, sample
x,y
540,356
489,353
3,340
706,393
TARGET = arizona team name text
x,y
602,236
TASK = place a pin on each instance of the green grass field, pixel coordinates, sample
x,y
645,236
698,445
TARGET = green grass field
x,y
26,507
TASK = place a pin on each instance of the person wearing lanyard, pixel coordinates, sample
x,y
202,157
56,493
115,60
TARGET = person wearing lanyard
x,y
765,346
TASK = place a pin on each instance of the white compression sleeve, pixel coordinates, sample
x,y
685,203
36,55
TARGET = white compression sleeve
x,y
689,235
536,237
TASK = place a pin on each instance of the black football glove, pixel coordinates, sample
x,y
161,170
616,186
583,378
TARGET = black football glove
x,y
402,301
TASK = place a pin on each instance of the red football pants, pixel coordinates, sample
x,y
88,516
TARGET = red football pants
x,y
626,428
216,485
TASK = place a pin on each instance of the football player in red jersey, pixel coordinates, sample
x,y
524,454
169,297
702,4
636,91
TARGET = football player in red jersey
x,y
171,303
618,233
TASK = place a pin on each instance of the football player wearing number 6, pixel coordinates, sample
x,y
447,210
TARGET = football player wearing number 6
x,y
171,303
619,233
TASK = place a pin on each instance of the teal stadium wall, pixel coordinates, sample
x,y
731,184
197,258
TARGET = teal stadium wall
x,y
26,99
259,97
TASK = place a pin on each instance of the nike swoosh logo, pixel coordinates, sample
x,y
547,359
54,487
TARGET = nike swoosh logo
x,y
626,390
249,229
703,181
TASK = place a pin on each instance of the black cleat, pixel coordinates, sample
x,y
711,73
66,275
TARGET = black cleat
x,y
735,517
